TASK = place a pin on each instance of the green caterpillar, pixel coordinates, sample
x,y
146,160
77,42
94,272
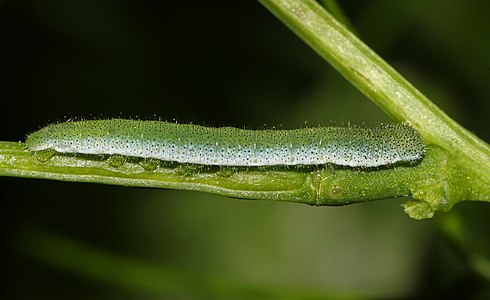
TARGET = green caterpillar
x,y
227,146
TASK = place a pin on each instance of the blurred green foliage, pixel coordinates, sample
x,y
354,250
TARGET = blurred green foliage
x,y
217,63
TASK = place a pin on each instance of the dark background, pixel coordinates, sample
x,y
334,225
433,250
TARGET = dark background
x,y
228,63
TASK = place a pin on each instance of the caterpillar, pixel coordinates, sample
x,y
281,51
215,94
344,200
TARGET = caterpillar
x,y
352,146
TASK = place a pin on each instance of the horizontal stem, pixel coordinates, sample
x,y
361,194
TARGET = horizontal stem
x,y
326,185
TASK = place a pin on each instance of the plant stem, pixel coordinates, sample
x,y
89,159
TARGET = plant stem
x,y
328,185
388,89
455,168
335,10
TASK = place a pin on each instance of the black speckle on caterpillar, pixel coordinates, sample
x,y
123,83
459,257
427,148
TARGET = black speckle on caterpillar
x,y
352,146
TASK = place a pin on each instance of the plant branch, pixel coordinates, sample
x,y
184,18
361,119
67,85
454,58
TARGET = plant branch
x,y
469,155
456,166
327,185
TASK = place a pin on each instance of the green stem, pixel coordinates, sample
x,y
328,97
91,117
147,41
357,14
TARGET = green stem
x,y
455,168
315,186
334,8
389,90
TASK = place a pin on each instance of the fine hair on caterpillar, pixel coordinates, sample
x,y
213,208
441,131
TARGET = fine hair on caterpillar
x,y
351,146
